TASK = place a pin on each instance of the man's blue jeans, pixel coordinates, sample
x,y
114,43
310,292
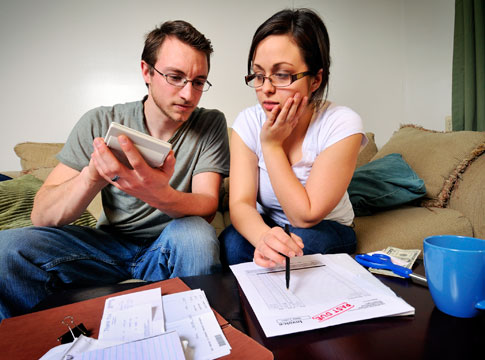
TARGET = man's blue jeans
x,y
37,261
325,237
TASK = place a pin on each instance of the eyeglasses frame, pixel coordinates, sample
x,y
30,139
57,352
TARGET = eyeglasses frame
x,y
185,80
294,77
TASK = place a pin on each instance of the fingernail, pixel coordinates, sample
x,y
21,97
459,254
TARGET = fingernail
x,y
291,254
97,142
122,139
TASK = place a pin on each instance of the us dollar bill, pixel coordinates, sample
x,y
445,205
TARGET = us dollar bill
x,y
406,256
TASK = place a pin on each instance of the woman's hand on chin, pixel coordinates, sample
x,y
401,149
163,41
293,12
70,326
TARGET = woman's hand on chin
x,y
281,122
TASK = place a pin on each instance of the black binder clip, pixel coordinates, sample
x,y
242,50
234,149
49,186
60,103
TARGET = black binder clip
x,y
74,330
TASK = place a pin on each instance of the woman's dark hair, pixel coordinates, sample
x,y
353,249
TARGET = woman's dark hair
x,y
183,31
311,36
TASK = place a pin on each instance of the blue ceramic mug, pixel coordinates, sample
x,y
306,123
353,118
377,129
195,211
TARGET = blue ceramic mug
x,y
455,269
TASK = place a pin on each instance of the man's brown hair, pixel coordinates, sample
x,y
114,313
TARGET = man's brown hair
x,y
183,31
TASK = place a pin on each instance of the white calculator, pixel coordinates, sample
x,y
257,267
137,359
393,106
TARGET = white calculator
x,y
153,150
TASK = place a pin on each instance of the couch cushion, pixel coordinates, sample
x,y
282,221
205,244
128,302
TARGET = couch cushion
x,y
435,156
407,226
39,173
16,201
368,152
35,155
384,183
218,222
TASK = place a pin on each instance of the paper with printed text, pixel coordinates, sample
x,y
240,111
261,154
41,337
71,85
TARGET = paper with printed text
x,y
325,290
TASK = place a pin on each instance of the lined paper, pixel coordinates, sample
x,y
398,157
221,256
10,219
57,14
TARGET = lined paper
x,y
164,346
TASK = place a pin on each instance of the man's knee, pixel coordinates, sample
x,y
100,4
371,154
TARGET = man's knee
x,y
191,232
192,244
13,241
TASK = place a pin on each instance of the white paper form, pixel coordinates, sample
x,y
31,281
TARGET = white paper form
x,y
190,315
325,290
166,346
133,316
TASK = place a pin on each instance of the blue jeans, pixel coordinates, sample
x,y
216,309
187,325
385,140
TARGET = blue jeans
x,y
327,237
38,261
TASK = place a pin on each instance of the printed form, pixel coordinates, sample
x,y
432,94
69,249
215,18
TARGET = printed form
x,y
190,315
133,316
325,290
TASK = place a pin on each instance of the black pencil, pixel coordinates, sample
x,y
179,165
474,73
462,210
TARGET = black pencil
x,y
287,271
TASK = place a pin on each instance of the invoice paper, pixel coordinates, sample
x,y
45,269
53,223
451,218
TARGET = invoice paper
x,y
190,314
133,316
325,290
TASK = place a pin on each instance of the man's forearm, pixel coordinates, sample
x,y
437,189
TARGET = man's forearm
x,y
61,204
201,201
178,204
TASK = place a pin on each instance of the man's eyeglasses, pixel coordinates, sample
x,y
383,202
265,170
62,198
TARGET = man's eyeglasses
x,y
277,80
181,81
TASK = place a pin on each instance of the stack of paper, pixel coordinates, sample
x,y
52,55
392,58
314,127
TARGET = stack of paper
x,y
132,316
325,290
190,315
133,327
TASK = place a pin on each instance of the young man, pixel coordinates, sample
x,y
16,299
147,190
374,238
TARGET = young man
x,y
155,220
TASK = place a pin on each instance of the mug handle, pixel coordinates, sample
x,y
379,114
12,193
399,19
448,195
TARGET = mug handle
x,y
480,305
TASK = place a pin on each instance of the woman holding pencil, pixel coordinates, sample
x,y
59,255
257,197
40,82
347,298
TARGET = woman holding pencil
x,y
294,153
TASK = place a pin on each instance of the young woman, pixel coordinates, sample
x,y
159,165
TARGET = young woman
x,y
293,154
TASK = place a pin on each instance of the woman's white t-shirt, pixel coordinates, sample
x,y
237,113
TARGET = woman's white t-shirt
x,y
332,124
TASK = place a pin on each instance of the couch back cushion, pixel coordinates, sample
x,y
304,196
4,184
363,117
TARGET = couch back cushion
x,y
38,159
435,156
37,155
368,152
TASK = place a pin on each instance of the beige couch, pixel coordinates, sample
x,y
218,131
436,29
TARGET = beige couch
x,y
451,165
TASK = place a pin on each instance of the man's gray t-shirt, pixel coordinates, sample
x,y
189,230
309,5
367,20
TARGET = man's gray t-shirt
x,y
200,145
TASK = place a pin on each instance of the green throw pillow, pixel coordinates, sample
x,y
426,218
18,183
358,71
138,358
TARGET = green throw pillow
x,y
382,184
16,201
